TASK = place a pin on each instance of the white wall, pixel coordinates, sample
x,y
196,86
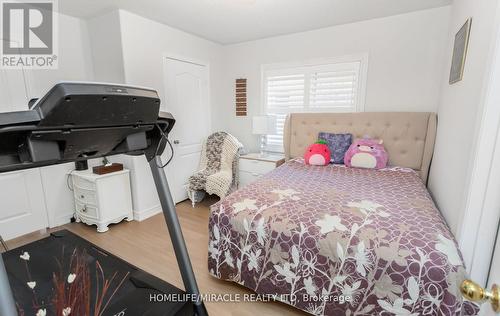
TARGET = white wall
x,y
75,64
144,43
106,46
460,111
75,61
406,58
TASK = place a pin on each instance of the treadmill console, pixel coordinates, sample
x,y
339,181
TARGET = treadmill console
x,y
80,121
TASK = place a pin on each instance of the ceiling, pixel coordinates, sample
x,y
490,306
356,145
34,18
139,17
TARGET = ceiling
x,y
234,21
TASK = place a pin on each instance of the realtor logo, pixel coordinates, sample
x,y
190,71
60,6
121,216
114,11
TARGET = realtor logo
x,y
29,37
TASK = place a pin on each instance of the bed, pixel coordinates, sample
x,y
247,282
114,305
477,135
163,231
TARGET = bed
x,y
344,241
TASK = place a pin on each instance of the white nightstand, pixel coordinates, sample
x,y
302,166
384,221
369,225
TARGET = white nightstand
x,y
102,199
252,166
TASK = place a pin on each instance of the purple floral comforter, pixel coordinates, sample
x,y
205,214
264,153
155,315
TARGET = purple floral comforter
x,y
339,241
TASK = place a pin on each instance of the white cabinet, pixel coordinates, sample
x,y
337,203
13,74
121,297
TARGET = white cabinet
x,y
102,199
22,203
252,166
22,200
14,89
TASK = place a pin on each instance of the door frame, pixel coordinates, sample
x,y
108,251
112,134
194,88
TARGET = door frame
x,y
478,227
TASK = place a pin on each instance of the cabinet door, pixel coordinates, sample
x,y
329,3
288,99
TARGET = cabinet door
x,y
22,203
13,91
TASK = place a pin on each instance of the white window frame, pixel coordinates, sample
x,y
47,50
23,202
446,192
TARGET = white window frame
x,y
321,63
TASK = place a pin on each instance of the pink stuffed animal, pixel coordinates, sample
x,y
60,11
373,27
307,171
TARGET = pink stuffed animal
x,y
366,153
317,154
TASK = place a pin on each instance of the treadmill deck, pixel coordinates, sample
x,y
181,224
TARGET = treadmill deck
x,y
66,271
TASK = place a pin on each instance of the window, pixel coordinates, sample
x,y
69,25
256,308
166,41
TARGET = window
x,y
326,87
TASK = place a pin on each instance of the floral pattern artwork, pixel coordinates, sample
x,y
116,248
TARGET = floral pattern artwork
x,y
332,240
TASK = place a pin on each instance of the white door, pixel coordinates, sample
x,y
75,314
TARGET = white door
x,y
22,203
485,264
187,98
494,277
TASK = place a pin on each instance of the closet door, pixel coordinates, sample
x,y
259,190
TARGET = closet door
x,y
187,98
22,202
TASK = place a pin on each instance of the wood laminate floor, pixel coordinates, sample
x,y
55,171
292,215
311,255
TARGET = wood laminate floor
x,y
147,245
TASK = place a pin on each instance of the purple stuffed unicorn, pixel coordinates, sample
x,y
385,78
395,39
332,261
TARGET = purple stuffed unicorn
x,y
366,153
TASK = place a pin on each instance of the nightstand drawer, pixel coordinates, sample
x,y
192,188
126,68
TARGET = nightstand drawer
x,y
83,183
85,196
247,178
256,166
86,210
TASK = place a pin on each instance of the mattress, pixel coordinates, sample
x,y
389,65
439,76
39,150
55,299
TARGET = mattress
x,y
332,240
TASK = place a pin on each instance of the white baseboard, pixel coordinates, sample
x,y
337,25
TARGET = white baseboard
x,y
61,220
138,216
147,213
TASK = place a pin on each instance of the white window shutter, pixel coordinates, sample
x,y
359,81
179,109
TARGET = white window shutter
x,y
275,142
318,88
333,90
285,92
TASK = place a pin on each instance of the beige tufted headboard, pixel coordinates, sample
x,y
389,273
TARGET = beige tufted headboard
x,y
408,137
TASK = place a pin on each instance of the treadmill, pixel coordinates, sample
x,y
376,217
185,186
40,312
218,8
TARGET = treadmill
x,y
77,121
